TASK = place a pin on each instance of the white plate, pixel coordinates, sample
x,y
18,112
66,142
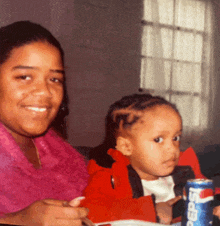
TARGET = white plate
x,y
132,223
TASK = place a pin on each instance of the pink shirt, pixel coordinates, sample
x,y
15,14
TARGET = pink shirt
x,y
63,174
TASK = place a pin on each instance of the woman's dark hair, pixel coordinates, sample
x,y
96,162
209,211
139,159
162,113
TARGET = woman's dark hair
x,y
121,116
25,32
59,123
21,33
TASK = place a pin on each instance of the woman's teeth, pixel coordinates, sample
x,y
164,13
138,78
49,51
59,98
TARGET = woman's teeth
x,y
37,109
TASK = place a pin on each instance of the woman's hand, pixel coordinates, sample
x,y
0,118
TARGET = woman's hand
x,y
165,210
48,212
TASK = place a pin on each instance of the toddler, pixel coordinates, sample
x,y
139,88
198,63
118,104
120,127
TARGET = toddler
x,y
138,172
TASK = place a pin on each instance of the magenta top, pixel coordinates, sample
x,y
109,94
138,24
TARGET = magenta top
x,y
63,174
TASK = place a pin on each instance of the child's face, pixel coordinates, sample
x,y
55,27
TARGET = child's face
x,y
155,141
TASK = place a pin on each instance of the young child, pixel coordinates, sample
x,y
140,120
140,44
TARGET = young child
x,y
138,172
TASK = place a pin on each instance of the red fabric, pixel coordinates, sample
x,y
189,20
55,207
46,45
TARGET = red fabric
x,y
108,204
189,158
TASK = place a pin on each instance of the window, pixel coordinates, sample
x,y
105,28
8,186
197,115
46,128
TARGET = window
x,y
176,57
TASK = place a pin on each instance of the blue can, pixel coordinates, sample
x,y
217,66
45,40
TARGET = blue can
x,y
198,195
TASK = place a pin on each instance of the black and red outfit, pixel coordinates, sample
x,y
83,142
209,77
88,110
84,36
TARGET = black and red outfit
x,y
116,193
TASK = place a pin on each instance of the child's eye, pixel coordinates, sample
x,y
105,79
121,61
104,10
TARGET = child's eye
x,y
158,140
177,138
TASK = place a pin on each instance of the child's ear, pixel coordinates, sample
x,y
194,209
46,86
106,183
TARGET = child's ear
x,y
124,145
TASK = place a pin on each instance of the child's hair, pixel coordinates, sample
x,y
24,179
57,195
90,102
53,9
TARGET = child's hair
x,y
121,116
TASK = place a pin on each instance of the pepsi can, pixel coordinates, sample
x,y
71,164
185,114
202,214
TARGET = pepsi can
x,y
198,195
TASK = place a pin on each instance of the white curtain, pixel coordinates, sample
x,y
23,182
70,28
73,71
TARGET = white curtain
x,y
177,59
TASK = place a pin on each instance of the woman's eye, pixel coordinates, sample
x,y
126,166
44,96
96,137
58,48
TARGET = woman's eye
x,y
177,138
57,80
24,77
158,140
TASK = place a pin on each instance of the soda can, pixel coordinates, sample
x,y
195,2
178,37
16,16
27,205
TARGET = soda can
x,y
198,195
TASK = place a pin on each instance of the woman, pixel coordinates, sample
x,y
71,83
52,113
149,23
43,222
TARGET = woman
x,y
40,172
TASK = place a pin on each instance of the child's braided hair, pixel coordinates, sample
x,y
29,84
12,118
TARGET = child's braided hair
x,y
121,116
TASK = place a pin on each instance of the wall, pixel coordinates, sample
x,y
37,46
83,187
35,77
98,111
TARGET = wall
x,y
101,40
107,61
215,138
212,136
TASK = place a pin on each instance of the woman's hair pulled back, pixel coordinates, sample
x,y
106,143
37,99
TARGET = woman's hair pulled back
x,y
21,33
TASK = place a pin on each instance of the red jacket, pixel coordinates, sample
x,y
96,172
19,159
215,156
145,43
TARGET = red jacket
x,y
106,203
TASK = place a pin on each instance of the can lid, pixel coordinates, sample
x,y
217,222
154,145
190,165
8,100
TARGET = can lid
x,y
200,181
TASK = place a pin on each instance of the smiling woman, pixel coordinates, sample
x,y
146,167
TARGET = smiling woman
x,y
32,92
31,89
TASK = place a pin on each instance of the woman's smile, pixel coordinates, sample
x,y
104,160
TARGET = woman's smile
x,y
37,109
40,112
31,88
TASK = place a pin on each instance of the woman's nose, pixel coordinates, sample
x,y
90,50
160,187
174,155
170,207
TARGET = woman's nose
x,y
42,88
